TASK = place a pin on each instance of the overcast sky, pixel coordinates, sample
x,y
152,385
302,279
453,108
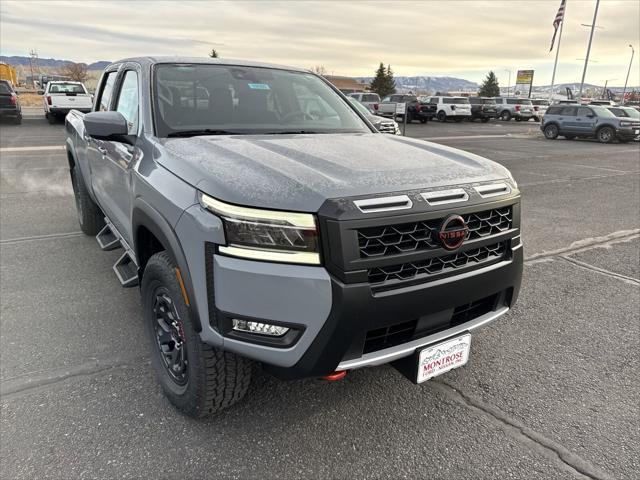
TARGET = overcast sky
x,y
456,38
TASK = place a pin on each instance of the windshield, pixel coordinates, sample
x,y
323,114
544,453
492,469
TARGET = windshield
x,y
225,99
66,88
360,107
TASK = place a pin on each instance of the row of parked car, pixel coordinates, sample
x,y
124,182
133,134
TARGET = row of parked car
x,y
443,108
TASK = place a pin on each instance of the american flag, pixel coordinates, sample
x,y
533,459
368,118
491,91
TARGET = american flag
x,y
557,21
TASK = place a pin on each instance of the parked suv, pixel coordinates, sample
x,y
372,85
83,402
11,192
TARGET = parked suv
x,y
369,100
455,108
573,121
9,102
259,232
539,108
519,108
382,124
622,112
483,108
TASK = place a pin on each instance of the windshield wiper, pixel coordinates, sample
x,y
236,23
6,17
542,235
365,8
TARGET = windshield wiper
x,y
203,131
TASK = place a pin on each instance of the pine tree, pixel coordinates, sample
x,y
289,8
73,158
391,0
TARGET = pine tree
x,y
390,83
490,87
378,85
213,53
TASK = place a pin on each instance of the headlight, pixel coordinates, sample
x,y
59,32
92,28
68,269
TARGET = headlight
x,y
267,235
625,124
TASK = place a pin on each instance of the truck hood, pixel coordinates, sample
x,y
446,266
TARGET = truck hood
x,y
300,172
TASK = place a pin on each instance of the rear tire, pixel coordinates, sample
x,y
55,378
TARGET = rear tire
x,y
197,379
423,120
505,116
90,217
442,117
518,119
485,119
551,132
606,135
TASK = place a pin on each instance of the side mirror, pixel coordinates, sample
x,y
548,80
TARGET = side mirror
x,y
40,92
106,126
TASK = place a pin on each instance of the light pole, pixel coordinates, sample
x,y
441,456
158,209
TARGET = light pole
x,y
628,71
508,82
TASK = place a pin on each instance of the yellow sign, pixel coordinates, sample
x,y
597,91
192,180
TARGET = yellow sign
x,y
525,76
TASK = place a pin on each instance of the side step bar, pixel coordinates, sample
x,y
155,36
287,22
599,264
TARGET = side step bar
x,y
126,267
107,239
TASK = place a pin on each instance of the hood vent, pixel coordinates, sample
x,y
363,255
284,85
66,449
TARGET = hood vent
x,y
445,196
493,190
384,204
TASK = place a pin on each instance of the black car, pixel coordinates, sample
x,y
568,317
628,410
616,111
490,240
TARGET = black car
x,y
483,108
9,103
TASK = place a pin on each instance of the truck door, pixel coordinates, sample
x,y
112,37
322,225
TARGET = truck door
x,y
112,168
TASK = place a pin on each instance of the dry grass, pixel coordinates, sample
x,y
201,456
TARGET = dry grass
x,y
30,100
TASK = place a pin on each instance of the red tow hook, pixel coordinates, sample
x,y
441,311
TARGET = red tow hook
x,y
335,376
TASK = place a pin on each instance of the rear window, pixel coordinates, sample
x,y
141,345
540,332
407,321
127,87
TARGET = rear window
x,y
4,88
370,97
66,88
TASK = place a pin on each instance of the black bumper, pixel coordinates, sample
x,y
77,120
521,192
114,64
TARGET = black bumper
x,y
627,133
64,111
357,311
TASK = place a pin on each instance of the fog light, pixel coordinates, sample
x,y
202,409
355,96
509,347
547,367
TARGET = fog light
x,y
260,328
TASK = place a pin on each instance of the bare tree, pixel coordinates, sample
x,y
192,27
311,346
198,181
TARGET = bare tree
x,y
75,71
319,70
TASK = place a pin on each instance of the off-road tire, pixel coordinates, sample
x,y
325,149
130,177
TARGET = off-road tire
x,y
442,116
606,135
505,116
215,379
90,217
551,132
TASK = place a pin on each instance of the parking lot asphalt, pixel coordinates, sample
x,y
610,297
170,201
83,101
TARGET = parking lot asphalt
x,y
550,391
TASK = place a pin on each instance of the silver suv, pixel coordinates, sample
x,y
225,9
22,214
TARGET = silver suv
x,y
519,108
573,121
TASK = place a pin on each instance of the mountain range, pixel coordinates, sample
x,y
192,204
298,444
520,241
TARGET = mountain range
x,y
50,62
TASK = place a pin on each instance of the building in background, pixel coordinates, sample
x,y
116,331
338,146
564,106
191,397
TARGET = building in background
x,y
347,84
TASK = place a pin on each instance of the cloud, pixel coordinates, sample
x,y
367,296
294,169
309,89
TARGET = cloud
x,y
350,38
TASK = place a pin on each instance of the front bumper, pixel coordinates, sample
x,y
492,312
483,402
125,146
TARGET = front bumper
x,y
628,133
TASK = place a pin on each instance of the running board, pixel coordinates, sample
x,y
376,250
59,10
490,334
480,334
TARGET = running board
x,y
107,239
126,270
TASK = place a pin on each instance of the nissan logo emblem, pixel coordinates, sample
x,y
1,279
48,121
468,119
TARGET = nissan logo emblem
x,y
452,232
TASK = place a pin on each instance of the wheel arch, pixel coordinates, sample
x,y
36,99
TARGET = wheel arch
x,y
152,233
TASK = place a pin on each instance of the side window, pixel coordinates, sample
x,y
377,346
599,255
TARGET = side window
x,y
107,91
569,111
434,101
583,112
128,101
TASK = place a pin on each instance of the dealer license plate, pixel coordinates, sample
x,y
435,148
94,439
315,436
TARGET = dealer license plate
x,y
442,357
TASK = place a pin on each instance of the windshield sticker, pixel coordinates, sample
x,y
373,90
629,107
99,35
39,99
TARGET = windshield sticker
x,y
258,86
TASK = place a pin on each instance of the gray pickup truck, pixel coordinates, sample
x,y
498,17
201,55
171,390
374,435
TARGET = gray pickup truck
x,y
303,241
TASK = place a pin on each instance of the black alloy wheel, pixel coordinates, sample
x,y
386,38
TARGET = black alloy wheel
x,y
170,338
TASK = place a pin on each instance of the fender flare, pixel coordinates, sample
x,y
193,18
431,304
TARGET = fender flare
x,y
144,215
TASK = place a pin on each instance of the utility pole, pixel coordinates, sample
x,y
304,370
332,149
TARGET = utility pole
x,y
628,72
586,60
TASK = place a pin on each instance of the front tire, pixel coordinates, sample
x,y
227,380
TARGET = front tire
x,y
606,135
505,116
551,132
197,379
442,117
90,217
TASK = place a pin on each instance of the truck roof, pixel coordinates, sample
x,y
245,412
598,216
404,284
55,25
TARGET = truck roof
x,y
206,60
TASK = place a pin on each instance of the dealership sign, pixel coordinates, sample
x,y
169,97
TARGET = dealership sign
x,y
524,82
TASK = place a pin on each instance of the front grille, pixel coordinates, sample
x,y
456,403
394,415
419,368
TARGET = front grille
x,y
387,127
438,265
390,336
400,333
410,237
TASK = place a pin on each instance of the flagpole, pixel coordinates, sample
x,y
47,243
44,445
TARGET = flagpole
x,y
555,65
586,60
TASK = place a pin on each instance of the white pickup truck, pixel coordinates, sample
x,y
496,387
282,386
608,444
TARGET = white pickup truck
x,y
60,97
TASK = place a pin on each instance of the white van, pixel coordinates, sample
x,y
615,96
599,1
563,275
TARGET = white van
x,y
456,108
